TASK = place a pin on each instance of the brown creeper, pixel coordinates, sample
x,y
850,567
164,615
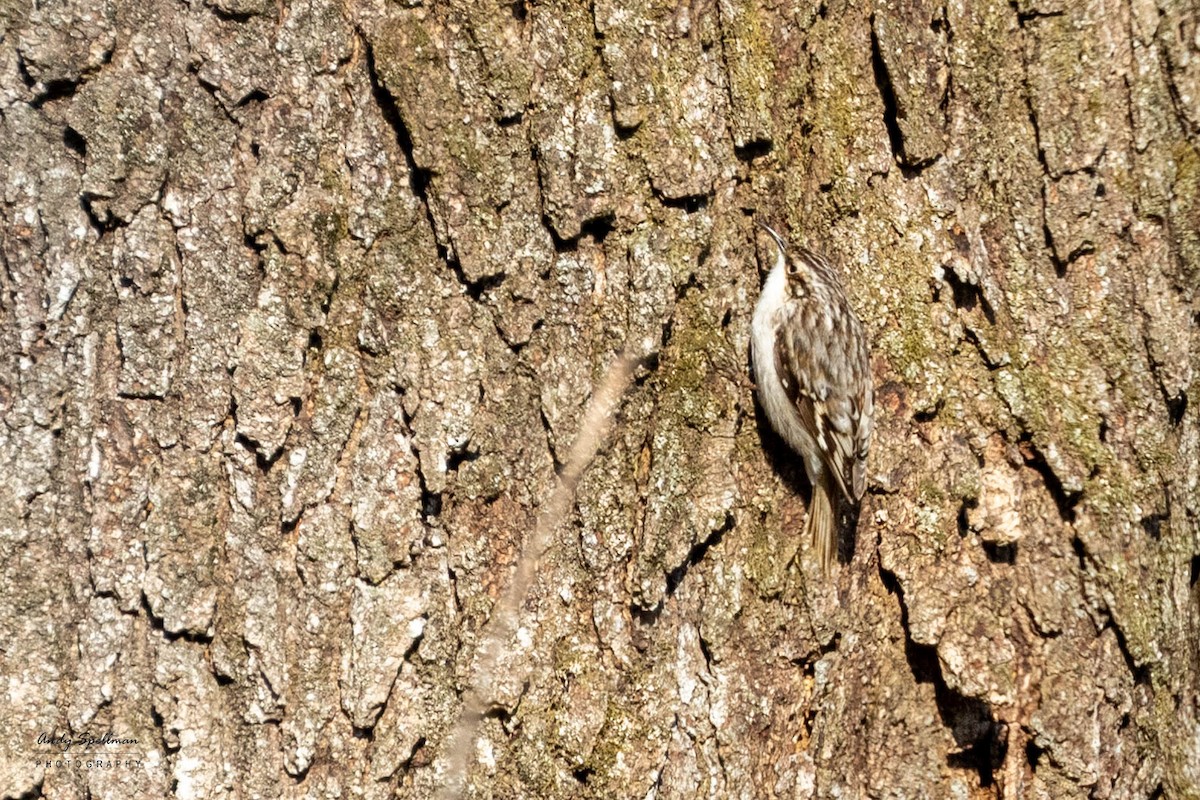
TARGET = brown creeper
x,y
813,374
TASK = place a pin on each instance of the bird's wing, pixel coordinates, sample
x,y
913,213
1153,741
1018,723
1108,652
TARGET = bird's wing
x,y
831,393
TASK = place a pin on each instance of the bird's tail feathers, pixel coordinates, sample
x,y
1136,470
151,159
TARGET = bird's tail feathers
x,y
822,525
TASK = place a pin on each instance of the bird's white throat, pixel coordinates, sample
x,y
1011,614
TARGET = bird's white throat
x,y
764,327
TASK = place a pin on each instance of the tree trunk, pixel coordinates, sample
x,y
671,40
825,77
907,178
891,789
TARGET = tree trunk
x,y
307,307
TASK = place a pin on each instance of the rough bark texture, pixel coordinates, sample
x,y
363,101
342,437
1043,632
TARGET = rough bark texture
x,y
302,304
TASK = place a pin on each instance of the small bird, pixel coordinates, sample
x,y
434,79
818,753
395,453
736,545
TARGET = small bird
x,y
813,374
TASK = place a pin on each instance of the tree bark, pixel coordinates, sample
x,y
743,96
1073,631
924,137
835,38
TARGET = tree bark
x,y
305,306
